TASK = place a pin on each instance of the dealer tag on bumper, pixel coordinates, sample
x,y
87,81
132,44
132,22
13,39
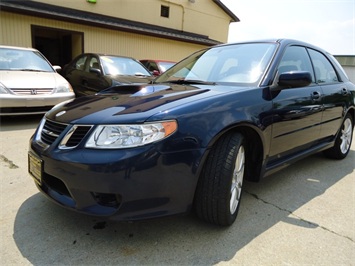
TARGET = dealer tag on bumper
x,y
35,167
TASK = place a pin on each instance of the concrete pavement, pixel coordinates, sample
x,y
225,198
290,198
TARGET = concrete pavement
x,y
304,214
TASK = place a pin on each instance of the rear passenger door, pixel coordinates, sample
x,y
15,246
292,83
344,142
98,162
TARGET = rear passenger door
x,y
335,94
297,112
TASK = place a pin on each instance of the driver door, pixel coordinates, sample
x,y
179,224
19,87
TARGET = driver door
x,y
297,112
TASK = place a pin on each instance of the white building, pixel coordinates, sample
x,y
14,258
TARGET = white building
x,y
348,63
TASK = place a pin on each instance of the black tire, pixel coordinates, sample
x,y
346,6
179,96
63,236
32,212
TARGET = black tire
x,y
343,141
219,189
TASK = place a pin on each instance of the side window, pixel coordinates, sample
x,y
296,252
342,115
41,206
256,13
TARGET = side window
x,y
152,66
93,63
80,63
296,58
323,69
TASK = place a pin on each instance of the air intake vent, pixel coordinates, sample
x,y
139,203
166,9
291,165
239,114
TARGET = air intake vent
x,y
51,131
74,136
77,135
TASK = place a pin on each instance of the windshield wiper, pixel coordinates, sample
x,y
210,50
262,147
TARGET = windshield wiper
x,y
192,81
139,75
30,69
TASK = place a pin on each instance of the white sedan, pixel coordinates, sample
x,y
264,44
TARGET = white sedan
x,y
29,84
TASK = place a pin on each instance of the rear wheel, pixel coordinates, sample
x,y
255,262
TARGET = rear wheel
x,y
343,141
219,190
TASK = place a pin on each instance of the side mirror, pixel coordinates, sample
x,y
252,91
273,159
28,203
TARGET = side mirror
x,y
294,79
57,68
95,70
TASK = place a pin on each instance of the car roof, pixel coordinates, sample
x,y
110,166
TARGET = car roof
x,y
157,60
102,54
18,48
281,41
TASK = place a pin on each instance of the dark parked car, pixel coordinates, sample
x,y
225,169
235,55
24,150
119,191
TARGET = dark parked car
x,y
90,73
157,67
225,114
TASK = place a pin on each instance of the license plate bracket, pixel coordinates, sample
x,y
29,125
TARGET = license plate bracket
x,y
35,167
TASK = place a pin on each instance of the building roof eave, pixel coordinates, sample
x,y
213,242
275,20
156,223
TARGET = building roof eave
x,y
233,17
97,20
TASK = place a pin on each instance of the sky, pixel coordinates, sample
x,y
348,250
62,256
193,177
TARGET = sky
x,y
329,24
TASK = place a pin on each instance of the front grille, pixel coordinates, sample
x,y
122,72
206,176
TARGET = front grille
x,y
33,91
74,136
51,130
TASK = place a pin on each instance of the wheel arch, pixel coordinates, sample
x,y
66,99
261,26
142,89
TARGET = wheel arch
x,y
351,111
255,148
254,151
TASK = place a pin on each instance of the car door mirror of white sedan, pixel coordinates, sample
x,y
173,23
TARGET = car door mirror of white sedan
x,y
293,79
57,68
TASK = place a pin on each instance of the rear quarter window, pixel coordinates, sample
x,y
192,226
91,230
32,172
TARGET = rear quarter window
x,y
323,69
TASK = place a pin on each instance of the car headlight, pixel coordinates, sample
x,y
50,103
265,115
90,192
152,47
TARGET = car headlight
x,y
64,87
3,89
128,136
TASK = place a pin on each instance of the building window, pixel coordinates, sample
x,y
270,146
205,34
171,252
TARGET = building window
x,y
164,11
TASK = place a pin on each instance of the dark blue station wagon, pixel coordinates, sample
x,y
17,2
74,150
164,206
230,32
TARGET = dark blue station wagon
x,y
187,140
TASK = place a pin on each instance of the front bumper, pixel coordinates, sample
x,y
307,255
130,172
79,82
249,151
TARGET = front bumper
x,y
11,104
130,184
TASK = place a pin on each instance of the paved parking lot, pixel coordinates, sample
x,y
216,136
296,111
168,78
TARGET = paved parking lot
x,y
304,214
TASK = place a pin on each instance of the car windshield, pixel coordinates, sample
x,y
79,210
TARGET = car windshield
x,y
23,60
123,66
235,63
165,65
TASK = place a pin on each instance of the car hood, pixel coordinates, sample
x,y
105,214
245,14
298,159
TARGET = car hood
x,y
30,79
120,79
131,103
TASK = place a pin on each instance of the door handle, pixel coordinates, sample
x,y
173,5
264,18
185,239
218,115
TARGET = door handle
x,y
344,91
315,95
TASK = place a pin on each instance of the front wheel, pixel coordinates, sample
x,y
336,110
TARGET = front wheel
x,y
220,185
343,141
